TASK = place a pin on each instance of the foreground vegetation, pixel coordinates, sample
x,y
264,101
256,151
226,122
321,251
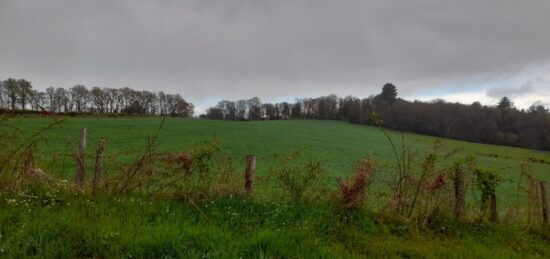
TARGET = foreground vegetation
x,y
337,145
177,191
240,227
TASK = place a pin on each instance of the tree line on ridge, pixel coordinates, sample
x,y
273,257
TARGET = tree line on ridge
x,y
502,124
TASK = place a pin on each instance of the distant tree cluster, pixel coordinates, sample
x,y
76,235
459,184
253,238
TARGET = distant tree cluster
x,y
502,124
18,94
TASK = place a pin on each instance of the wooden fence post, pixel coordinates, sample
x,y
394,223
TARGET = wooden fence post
x,y
249,174
544,201
493,199
493,209
460,194
98,164
532,191
81,159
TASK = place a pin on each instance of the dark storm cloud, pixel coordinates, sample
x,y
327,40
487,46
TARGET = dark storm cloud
x,y
271,49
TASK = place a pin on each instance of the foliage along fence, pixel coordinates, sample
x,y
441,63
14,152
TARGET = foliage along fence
x,y
424,190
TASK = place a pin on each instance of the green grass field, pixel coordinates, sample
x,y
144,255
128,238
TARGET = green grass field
x,y
68,225
338,145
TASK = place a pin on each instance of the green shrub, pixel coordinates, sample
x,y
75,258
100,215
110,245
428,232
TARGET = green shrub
x,y
297,179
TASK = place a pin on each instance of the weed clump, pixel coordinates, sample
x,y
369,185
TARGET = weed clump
x,y
487,181
354,191
297,179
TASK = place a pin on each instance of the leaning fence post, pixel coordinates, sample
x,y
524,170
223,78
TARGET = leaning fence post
x,y
98,164
249,174
460,194
544,200
80,159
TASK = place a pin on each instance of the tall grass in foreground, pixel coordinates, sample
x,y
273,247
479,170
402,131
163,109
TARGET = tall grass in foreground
x,y
421,186
419,199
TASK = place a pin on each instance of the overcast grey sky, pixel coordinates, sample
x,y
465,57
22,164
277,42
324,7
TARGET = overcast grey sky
x,y
208,50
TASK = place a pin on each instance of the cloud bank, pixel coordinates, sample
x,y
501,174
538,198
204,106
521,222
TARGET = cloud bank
x,y
274,49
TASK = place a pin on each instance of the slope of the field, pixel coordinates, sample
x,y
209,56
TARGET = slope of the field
x,y
52,223
337,144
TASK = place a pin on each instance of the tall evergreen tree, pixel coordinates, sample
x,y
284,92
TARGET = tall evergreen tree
x,y
389,93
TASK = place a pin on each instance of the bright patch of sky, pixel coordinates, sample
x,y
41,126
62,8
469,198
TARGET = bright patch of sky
x,y
525,89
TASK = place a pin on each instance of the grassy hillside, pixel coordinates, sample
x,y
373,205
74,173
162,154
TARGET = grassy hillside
x,y
59,221
339,145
